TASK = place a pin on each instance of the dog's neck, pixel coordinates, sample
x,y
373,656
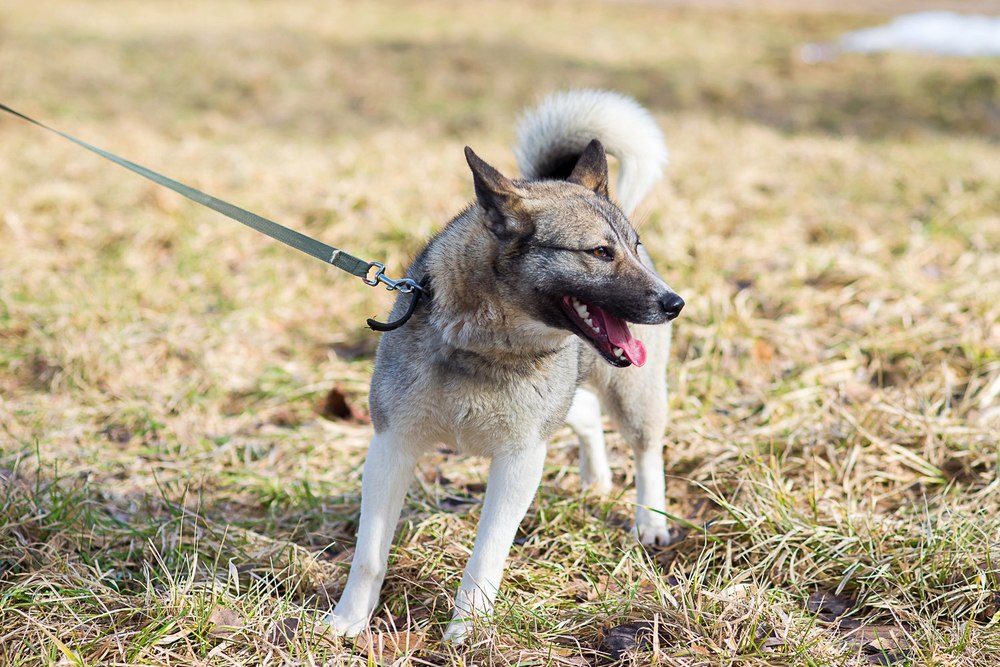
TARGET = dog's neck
x,y
471,311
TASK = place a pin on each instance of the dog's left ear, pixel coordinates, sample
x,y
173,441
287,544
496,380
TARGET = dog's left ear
x,y
591,170
498,197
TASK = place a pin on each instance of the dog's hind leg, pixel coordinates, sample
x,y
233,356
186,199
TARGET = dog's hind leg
x,y
387,474
584,417
513,481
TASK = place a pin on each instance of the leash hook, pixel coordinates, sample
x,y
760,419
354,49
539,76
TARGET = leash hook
x,y
403,285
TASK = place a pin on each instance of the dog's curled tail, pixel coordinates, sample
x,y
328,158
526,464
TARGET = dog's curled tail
x,y
552,136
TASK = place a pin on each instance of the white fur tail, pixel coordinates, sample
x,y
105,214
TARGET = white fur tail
x,y
552,136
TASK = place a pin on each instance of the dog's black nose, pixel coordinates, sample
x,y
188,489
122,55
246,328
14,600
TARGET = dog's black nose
x,y
671,305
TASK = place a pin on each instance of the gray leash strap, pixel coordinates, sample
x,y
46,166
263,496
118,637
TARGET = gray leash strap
x,y
290,237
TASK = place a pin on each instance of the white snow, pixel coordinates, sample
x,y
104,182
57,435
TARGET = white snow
x,y
936,32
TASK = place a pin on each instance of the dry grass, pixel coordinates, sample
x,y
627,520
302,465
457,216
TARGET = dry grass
x,y
834,230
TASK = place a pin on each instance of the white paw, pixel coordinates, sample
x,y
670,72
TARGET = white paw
x,y
653,533
458,630
346,626
598,485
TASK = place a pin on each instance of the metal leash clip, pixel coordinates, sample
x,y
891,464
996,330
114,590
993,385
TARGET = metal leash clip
x,y
404,285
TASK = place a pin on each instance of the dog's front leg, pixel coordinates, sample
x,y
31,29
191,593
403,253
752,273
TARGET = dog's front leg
x,y
387,474
513,481
650,493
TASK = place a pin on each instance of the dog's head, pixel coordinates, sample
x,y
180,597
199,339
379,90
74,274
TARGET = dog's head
x,y
568,256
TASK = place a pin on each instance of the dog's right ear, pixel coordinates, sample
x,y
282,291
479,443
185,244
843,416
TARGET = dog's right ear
x,y
498,197
591,170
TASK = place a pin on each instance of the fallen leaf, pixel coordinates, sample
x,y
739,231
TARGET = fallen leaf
x,y
607,585
118,434
625,639
337,407
829,605
883,644
876,636
284,632
887,657
990,608
384,646
581,590
224,622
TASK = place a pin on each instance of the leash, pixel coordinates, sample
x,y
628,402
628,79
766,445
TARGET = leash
x,y
290,237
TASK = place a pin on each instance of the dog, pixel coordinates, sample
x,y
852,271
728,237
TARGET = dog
x,y
527,296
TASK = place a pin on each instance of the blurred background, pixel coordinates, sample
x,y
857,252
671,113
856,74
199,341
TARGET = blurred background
x,y
179,390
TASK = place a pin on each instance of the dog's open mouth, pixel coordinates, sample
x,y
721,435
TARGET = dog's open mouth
x,y
607,333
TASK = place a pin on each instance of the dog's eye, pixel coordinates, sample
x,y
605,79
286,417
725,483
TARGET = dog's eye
x,y
601,252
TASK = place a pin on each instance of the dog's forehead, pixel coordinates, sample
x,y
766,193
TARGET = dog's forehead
x,y
613,216
564,210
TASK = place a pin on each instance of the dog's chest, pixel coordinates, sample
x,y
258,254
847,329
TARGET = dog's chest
x,y
487,420
488,411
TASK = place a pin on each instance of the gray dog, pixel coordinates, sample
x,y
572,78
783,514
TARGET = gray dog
x,y
530,289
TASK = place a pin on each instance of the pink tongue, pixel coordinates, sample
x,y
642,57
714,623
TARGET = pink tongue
x,y
620,336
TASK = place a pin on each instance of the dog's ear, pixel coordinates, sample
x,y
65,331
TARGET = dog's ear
x,y
591,170
498,197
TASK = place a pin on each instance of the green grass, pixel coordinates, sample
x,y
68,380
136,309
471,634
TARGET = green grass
x,y
172,495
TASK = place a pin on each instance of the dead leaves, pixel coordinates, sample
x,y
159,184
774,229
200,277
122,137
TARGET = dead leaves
x,y
224,622
283,632
881,643
874,641
829,606
118,433
383,647
336,406
626,640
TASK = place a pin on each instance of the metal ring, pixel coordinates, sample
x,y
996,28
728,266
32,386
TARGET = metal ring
x,y
378,276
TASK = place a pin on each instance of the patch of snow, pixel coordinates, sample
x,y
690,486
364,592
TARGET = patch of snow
x,y
936,32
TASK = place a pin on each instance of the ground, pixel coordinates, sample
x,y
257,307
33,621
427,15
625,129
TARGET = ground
x,y
179,486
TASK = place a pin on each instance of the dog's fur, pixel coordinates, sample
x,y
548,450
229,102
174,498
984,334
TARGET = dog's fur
x,y
493,361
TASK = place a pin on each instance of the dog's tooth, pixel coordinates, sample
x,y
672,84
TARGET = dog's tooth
x,y
619,352
581,310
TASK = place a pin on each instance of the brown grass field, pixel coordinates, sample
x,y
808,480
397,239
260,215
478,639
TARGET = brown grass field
x,y
176,490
